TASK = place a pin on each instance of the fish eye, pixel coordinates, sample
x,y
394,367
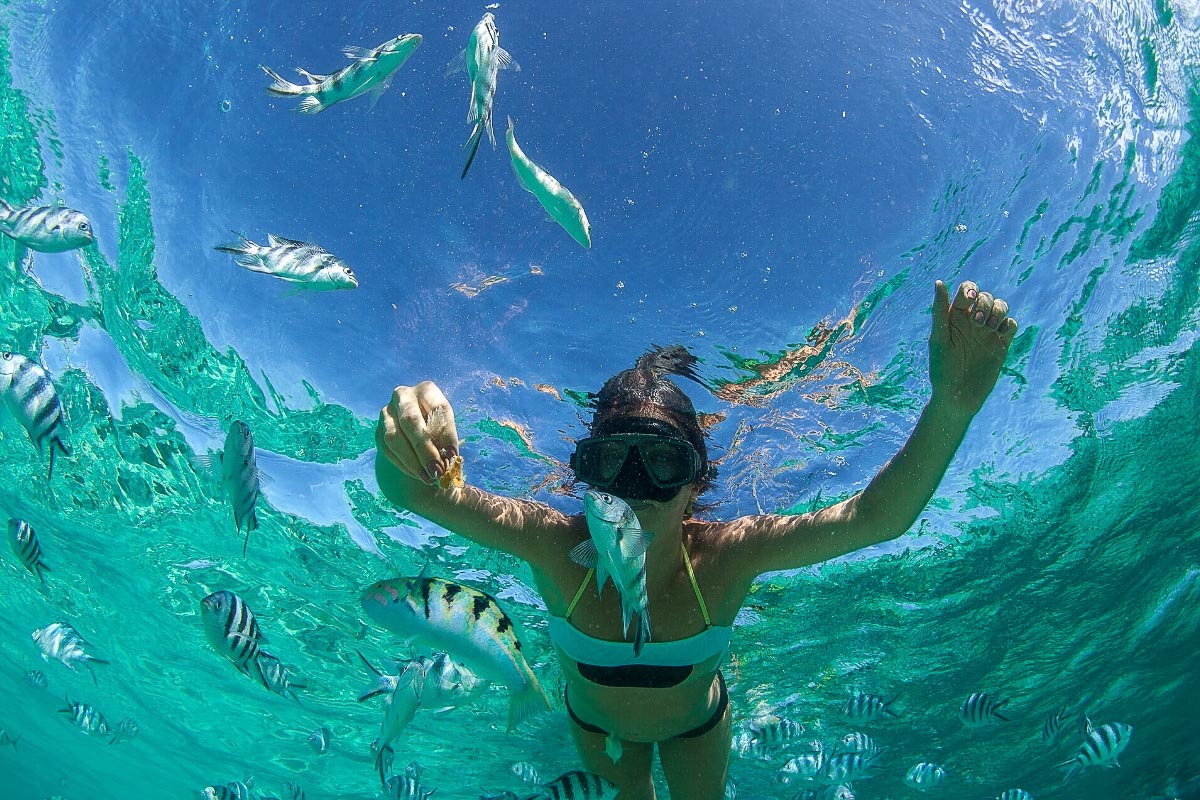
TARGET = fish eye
x,y
6,356
348,271
83,226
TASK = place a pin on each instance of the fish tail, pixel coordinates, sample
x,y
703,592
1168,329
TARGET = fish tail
x,y
241,247
473,145
642,634
310,105
529,701
280,86
66,451
5,209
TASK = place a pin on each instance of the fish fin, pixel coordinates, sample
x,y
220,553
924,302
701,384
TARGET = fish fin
x,y
310,105
639,540
457,64
641,634
312,78
242,246
473,144
504,60
6,209
1001,717
355,53
280,86
263,478
528,702
585,554
613,748
377,93
281,241
22,257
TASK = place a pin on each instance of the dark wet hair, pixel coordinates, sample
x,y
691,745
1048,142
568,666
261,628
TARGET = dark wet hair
x,y
644,391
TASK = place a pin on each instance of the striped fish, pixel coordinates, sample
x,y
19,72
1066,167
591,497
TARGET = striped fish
x,y
37,679
467,624
484,58
27,392
279,678
857,743
579,785
981,709
294,791
46,229
238,472
234,790
60,641
557,199
774,731
26,547
1101,749
1014,794
869,707
1057,722
526,772
371,71
804,767
839,792
87,718
126,730
848,768
924,776
318,740
402,787
617,550
232,629
310,267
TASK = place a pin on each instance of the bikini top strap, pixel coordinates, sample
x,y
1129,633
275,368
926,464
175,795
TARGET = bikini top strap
x,y
579,593
687,562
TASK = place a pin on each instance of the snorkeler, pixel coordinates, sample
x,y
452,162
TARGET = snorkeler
x,y
646,447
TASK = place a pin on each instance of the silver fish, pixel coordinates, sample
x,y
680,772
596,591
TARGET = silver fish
x,y
924,776
232,629
87,718
26,547
579,785
371,71
402,787
279,678
839,792
730,789
484,58
402,697
37,679
804,767
234,790
869,707
1101,748
126,730
385,756
447,683
318,740
310,267
557,199
617,550
60,641
773,731
526,772
848,768
1014,794
26,390
294,791
46,229
467,624
239,476
981,709
857,743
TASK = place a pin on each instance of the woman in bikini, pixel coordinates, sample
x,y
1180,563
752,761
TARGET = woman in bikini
x,y
647,448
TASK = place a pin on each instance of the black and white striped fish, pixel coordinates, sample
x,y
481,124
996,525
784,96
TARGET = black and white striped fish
x,y
1014,794
981,709
617,550
466,623
1101,749
26,547
232,629
578,785
924,776
60,641
126,729
36,678
526,772
773,731
234,790
402,787
240,478
838,792
371,71
318,740
310,267
857,743
1058,721
46,229
279,678
805,767
26,390
848,768
87,718
869,707
484,58
294,791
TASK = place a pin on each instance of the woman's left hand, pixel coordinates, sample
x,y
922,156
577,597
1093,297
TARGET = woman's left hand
x,y
967,346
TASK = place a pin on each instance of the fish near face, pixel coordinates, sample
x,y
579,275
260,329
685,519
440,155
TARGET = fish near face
x,y
73,229
606,507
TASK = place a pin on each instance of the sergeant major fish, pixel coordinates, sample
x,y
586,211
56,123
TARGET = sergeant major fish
x,y
924,775
868,707
310,267
27,392
46,229
617,550
1101,748
484,58
402,787
26,547
239,476
233,631
578,785
60,641
371,71
467,624
86,717
773,731
554,197
318,740
981,709
279,679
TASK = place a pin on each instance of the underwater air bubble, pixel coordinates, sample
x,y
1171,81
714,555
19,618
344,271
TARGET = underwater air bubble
x,y
226,104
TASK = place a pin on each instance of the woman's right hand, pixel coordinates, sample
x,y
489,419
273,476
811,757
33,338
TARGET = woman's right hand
x,y
416,431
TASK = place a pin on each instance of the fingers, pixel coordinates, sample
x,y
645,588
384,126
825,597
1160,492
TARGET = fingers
x,y
941,305
984,310
416,429
965,296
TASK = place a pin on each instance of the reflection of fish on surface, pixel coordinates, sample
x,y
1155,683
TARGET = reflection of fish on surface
x,y
466,623
554,197
309,266
371,71
27,391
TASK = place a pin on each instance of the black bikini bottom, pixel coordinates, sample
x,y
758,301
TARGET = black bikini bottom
x,y
699,730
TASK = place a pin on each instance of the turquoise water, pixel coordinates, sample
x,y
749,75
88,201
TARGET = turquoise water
x,y
1045,151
